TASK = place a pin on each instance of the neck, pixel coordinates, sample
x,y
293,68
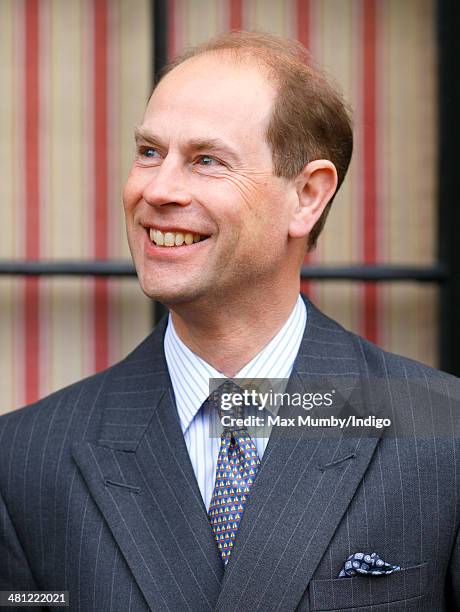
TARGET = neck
x,y
229,335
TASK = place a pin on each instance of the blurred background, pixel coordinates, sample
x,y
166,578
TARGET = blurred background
x,y
75,76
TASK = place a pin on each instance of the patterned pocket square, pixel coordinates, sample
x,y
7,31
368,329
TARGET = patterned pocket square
x,y
367,564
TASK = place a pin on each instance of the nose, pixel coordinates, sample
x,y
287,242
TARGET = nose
x,y
167,186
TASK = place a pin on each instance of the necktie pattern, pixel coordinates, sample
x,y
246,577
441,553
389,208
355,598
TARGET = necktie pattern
x,y
237,466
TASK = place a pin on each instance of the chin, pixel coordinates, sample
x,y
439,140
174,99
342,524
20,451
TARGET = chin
x,y
169,295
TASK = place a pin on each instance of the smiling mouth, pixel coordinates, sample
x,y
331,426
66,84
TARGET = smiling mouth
x,y
173,239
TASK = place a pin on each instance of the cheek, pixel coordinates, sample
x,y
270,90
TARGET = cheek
x,y
132,192
254,220
270,213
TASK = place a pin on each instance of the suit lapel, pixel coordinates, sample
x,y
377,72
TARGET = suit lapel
x,y
306,480
140,475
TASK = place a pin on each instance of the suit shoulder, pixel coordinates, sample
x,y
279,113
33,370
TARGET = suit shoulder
x,y
54,421
380,358
83,392
74,412
376,359
63,398
402,372
376,364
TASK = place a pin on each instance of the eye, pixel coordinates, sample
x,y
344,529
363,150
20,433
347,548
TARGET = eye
x,y
207,160
149,152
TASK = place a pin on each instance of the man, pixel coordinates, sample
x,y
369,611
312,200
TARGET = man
x,y
115,490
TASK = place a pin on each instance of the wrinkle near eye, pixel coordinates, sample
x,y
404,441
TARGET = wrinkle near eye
x,y
248,183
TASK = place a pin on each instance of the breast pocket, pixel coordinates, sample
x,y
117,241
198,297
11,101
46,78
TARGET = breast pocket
x,y
361,591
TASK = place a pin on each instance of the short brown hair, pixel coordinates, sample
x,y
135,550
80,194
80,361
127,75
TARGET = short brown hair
x,y
310,119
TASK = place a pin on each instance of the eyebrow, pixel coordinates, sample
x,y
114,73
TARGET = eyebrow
x,y
195,144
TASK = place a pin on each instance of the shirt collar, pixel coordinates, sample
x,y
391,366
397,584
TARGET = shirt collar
x,y
190,374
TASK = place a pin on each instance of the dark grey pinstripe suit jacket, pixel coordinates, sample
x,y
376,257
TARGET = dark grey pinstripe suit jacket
x,y
98,495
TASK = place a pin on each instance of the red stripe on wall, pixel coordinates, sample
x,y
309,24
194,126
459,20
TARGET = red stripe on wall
x,y
236,15
32,201
303,21
100,128
369,161
303,35
100,181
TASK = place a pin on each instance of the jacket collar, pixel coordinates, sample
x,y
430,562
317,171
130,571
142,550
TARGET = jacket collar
x,y
140,475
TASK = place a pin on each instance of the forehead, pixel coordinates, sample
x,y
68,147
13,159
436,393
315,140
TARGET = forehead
x,y
212,95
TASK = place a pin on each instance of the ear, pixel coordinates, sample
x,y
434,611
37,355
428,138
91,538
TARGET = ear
x,y
315,186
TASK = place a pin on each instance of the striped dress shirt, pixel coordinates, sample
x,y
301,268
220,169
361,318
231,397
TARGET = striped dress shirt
x,y
190,377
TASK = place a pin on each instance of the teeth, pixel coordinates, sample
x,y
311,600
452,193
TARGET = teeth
x,y
156,236
170,239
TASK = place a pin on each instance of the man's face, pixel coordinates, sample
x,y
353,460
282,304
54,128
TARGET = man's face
x,y
203,168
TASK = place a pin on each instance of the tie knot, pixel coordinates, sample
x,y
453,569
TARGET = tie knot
x,y
223,400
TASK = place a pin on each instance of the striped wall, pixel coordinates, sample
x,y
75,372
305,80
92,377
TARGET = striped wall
x,y
74,80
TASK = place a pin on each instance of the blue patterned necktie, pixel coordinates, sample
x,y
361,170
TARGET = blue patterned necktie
x,y
237,466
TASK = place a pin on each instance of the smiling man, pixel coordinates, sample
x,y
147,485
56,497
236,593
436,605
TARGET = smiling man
x,y
116,489
204,169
